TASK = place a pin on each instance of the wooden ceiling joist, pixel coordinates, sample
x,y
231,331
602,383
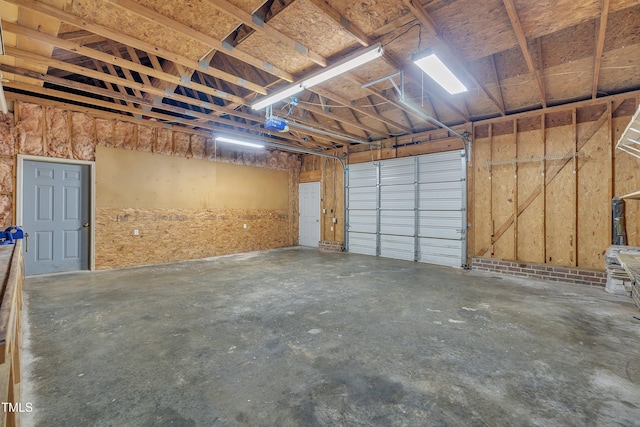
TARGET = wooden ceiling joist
x,y
86,24
76,69
524,48
257,24
113,60
599,49
443,44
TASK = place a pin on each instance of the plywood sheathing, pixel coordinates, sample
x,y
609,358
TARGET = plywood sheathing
x,y
199,14
305,23
568,222
129,23
260,47
369,15
182,234
481,30
530,239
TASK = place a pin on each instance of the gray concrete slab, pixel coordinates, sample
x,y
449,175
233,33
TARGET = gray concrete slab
x,y
301,338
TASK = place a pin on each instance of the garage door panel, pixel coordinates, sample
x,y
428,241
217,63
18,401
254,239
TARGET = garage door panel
x,y
440,251
362,243
440,224
385,218
397,171
398,247
401,197
440,167
363,175
397,222
362,221
362,198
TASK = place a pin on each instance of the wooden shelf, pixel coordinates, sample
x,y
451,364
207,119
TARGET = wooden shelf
x,y
633,196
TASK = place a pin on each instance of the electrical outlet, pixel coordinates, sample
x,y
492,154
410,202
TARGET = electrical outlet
x,y
244,226
324,211
335,220
331,228
136,232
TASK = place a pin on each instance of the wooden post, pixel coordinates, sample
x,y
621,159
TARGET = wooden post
x,y
544,186
574,237
515,191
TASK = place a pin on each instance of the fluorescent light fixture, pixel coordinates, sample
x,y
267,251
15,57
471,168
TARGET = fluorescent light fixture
x,y
340,67
238,142
435,68
345,65
278,96
1,40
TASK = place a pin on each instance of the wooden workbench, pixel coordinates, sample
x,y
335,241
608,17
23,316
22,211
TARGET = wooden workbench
x,y
12,278
631,264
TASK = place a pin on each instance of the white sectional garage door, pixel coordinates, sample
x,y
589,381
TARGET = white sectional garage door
x,y
412,208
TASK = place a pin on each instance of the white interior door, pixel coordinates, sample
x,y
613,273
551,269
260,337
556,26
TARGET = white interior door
x,y
309,214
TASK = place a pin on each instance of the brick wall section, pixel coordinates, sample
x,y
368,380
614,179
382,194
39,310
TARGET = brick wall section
x,y
329,246
541,271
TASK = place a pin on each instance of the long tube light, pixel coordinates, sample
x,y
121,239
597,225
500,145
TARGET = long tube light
x,y
435,68
278,96
347,64
238,142
3,101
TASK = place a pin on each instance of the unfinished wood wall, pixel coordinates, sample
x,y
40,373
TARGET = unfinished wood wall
x,y
532,200
52,132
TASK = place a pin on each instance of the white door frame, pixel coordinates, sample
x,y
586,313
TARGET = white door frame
x,y
92,195
318,213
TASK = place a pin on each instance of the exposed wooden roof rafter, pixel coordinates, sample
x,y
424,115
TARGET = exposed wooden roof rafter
x,y
256,22
524,48
599,48
444,45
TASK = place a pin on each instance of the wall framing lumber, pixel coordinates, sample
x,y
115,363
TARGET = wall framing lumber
x,y
563,200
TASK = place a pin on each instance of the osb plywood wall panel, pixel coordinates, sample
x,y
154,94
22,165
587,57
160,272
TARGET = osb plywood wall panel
x,y
503,187
482,220
594,197
530,242
182,234
271,216
563,217
560,199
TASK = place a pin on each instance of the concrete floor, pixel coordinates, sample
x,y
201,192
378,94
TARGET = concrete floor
x,y
296,337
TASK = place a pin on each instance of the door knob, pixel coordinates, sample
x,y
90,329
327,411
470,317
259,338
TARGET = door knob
x,y
85,225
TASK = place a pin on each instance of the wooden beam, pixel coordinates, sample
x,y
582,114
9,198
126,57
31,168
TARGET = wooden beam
x,y
494,71
200,119
442,44
522,41
106,58
599,49
341,20
255,21
76,69
88,25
